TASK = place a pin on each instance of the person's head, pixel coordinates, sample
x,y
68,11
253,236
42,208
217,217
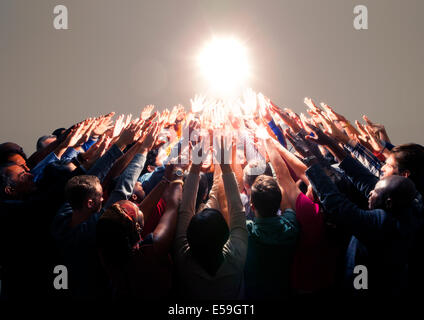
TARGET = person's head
x,y
44,141
15,181
406,160
84,193
11,152
207,234
265,197
393,193
58,132
151,161
138,193
118,231
252,170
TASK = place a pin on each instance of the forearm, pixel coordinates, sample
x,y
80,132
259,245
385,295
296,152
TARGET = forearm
x,y
102,166
187,206
293,163
165,231
125,185
149,203
235,206
283,175
120,165
338,152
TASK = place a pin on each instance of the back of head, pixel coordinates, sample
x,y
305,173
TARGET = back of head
x,y
207,234
401,191
79,188
42,142
117,233
58,132
266,196
410,157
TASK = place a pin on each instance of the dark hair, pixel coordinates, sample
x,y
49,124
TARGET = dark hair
x,y
9,148
79,188
41,140
116,234
58,132
207,234
410,156
251,171
266,196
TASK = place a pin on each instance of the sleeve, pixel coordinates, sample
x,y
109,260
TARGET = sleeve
x,y
368,160
237,243
364,224
151,179
309,218
360,176
125,185
37,171
278,133
186,212
69,154
88,144
105,163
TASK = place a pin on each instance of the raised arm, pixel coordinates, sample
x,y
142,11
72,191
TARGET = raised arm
x,y
187,207
165,230
284,178
125,185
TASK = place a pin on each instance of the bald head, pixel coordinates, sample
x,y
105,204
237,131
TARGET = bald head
x,y
392,193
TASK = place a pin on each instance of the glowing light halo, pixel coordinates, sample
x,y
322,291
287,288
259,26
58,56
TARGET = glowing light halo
x,y
224,64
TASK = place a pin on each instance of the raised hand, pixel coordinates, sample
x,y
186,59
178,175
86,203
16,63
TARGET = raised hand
x,y
377,128
198,103
119,125
287,119
311,104
264,108
304,147
319,137
95,151
145,113
332,114
148,140
128,135
75,135
104,123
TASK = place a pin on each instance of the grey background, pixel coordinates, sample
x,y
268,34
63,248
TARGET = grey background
x,y
121,55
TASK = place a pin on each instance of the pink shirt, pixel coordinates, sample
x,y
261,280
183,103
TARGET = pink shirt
x,y
314,263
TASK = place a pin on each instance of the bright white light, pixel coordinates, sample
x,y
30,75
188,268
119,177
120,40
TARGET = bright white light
x,y
223,63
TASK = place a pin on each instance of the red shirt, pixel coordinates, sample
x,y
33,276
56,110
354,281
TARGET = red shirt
x,y
314,263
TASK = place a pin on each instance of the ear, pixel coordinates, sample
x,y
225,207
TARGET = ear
x,y
9,190
90,203
406,173
389,203
134,197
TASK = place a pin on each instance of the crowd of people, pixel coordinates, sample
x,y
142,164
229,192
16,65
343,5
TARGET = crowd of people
x,y
226,200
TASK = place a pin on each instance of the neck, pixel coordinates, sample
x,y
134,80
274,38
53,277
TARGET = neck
x,y
79,216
